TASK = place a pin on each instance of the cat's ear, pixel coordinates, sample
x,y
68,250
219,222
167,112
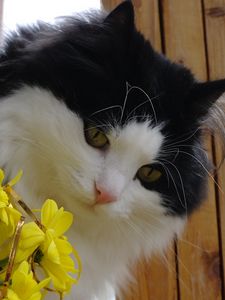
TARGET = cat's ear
x,y
202,96
122,18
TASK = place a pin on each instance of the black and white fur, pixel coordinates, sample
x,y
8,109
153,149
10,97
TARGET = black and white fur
x,y
56,78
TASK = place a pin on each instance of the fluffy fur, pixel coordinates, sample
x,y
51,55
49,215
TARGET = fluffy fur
x,y
56,79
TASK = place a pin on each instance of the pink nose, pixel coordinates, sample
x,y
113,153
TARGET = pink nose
x,y
103,196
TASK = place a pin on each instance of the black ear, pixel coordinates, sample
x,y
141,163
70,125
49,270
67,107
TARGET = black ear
x,y
122,17
203,95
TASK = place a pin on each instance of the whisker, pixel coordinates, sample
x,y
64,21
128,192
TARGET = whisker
x,y
107,108
184,205
166,170
193,245
133,110
176,141
205,169
171,249
181,181
125,100
129,89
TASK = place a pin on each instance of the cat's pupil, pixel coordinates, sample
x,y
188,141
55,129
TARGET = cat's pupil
x,y
96,135
148,174
96,138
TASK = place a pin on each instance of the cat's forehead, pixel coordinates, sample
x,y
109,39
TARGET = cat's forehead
x,y
138,139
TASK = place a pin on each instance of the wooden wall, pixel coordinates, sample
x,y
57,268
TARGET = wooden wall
x,y
191,32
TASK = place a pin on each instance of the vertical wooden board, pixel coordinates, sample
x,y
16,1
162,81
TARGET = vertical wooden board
x,y
199,254
221,203
162,277
184,36
215,34
198,250
199,258
151,274
147,18
156,280
215,37
108,5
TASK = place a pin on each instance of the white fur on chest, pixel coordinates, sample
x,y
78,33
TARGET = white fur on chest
x,y
40,135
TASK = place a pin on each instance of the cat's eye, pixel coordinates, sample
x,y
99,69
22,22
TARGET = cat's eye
x,y
95,137
148,174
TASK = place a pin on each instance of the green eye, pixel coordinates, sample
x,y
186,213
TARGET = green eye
x,y
95,137
148,174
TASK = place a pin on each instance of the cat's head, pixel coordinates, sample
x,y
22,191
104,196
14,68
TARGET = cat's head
x,y
117,134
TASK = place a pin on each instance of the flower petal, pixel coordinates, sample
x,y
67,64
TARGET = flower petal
x,y
2,175
4,216
62,222
64,246
31,236
11,295
53,253
16,178
48,211
4,199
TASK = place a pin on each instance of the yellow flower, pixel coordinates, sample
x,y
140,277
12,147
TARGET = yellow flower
x,y
4,199
55,249
51,249
9,216
56,261
40,243
23,286
56,219
30,239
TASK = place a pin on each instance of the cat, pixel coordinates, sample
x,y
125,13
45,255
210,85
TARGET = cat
x,y
112,130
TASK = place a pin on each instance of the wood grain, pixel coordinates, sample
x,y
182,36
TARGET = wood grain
x,y
198,251
215,40
147,18
151,274
193,34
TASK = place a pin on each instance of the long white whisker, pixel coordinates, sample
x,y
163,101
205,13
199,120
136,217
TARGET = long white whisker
x,y
219,187
107,108
184,140
181,181
129,89
184,205
133,110
125,100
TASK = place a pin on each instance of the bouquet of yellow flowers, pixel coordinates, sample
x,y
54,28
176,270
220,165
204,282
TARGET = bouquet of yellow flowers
x,y
35,257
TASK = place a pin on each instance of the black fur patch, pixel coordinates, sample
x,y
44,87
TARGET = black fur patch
x,y
91,65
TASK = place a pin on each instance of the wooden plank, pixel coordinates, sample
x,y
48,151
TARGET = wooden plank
x,y
108,5
215,37
215,23
163,271
199,265
147,18
221,206
150,274
198,250
184,40
156,279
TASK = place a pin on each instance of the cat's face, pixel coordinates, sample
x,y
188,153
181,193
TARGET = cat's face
x,y
109,127
125,165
